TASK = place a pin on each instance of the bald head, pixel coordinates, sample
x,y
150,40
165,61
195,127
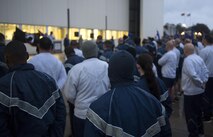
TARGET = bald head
x,y
170,45
189,49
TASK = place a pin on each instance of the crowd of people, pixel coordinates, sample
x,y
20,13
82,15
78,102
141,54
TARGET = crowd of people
x,y
121,90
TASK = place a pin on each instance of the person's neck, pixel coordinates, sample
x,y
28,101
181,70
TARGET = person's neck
x,y
141,72
44,51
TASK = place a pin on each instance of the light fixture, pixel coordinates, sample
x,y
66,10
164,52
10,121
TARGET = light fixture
x,y
182,33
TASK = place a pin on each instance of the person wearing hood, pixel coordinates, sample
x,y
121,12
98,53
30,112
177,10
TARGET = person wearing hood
x,y
125,110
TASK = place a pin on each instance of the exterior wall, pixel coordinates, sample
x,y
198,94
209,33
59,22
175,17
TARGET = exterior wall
x,y
35,12
83,13
151,17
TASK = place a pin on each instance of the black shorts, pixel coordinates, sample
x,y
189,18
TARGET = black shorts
x,y
169,82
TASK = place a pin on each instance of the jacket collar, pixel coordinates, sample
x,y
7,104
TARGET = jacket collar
x,y
22,67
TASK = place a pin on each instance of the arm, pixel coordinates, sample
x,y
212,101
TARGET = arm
x,y
69,89
203,55
62,77
163,59
191,72
205,73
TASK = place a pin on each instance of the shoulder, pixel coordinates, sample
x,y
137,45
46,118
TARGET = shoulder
x,y
5,83
101,105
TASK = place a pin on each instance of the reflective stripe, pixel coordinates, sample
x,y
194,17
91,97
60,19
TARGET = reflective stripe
x,y
162,120
106,128
104,58
152,130
163,110
2,64
164,96
27,107
155,128
68,65
111,130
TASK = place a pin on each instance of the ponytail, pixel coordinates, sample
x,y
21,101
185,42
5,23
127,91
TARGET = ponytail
x,y
145,62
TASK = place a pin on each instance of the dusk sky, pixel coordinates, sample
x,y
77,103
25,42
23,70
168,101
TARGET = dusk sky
x,y
201,12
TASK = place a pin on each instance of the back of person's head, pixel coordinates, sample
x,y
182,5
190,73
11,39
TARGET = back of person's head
x,y
120,41
89,49
159,42
177,41
45,43
170,45
2,38
151,49
145,61
209,38
99,38
189,49
145,41
108,44
121,67
74,43
69,51
15,53
131,50
187,41
125,37
137,40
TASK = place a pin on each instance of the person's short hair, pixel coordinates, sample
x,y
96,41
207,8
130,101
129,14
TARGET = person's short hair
x,y
74,43
45,43
209,38
137,40
89,49
131,50
108,44
69,51
99,37
16,51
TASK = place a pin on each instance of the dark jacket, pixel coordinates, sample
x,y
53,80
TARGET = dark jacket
x,y
164,95
125,110
2,47
71,61
31,104
3,69
106,55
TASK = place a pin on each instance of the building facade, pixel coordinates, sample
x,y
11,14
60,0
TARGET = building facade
x,y
109,18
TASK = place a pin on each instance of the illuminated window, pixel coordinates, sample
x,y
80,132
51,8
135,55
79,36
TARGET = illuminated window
x,y
88,34
42,29
120,34
102,33
83,33
72,32
96,32
9,29
108,34
28,28
57,32
114,34
2,28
